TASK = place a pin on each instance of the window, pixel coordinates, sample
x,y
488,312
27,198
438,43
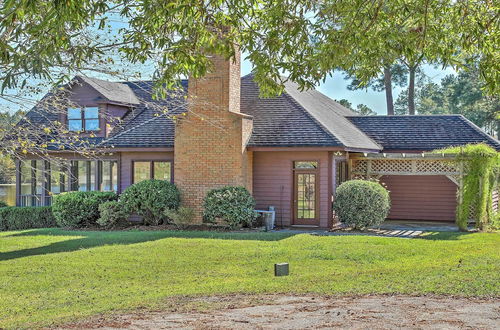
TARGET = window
x,y
305,165
159,170
83,119
109,176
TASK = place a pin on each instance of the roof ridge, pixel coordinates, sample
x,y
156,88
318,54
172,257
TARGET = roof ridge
x,y
310,116
406,116
478,129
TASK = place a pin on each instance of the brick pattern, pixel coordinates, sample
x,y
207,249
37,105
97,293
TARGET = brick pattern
x,y
210,139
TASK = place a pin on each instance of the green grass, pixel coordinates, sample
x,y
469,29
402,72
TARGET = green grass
x,y
50,276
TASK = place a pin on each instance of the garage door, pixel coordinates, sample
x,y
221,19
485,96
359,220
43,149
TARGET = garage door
x,y
421,197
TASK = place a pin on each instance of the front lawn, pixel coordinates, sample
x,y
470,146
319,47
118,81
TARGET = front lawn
x,y
50,276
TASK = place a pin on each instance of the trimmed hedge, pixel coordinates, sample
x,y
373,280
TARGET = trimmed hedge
x,y
17,218
361,204
234,206
150,199
112,213
79,208
3,204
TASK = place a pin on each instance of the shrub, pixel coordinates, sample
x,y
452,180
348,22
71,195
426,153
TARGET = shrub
x,y
183,217
16,218
112,213
150,199
79,208
3,204
361,204
233,205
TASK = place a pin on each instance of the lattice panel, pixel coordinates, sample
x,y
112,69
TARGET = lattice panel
x,y
435,166
391,166
360,166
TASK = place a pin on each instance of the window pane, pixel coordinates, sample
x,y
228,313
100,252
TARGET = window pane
x,y
106,176
162,171
92,125
91,113
75,125
82,176
92,176
114,175
40,177
142,171
306,165
26,177
74,113
55,179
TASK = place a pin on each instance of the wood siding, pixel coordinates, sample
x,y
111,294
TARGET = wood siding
x,y
421,197
127,158
273,182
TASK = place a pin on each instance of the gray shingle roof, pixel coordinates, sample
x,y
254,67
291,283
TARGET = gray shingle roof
x,y
422,132
113,91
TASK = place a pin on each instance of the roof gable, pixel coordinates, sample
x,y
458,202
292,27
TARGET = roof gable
x,y
115,92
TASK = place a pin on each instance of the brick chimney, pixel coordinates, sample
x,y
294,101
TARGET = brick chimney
x,y
210,141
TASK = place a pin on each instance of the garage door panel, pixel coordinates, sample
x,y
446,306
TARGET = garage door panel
x,y
421,197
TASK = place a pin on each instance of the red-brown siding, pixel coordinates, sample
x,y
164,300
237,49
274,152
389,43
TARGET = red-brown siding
x,y
273,182
421,197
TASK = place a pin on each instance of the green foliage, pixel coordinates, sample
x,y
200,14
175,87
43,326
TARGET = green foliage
x,y
460,93
183,217
3,204
150,199
234,206
111,214
481,171
7,170
17,218
361,204
79,208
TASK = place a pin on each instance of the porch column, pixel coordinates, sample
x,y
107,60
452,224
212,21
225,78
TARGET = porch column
x,y
18,182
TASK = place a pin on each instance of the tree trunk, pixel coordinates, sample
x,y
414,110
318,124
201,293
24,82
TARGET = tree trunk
x,y
411,91
388,90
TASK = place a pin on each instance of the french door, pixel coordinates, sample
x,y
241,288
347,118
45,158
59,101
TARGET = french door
x,y
306,197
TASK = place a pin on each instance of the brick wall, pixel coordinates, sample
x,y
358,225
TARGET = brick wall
x,y
210,140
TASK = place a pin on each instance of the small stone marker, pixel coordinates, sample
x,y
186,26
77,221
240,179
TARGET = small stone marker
x,y
281,269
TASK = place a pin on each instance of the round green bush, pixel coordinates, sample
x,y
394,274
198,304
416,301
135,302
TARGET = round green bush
x,y
112,213
361,204
232,205
79,208
3,204
150,199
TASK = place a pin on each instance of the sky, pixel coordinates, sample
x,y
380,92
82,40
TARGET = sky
x,y
335,87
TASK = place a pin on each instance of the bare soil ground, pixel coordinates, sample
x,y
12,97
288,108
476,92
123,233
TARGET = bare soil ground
x,y
309,312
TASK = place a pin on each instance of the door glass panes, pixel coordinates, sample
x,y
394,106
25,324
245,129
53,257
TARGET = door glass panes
x,y
305,165
106,176
162,171
91,115
306,195
56,179
142,171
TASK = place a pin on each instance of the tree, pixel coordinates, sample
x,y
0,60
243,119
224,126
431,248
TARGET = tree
x,y
457,94
361,109
308,39
394,75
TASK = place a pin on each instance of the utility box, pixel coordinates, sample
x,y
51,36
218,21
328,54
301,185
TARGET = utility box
x,y
281,269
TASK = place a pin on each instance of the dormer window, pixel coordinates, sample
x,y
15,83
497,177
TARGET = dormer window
x,y
83,119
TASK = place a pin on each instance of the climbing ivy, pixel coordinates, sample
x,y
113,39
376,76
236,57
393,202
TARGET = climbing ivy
x,y
481,168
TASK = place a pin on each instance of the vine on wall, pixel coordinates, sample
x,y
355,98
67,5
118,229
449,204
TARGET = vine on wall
x,y
480,177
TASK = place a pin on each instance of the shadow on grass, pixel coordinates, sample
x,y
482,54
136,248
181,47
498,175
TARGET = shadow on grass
x,y
90,239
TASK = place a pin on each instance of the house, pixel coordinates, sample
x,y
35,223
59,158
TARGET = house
x,y
291,152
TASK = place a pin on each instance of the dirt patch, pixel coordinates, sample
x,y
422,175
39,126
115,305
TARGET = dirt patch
x,y
309,312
